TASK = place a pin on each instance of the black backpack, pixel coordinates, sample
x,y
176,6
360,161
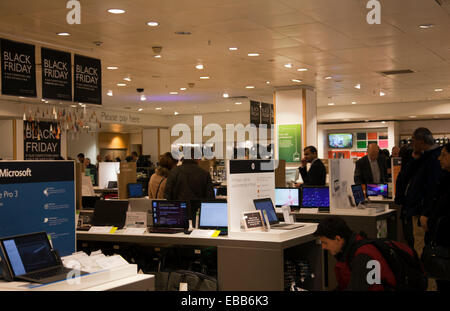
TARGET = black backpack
x,y
408,270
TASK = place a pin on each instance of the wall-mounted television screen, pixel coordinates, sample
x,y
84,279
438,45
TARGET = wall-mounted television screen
x,y
340,141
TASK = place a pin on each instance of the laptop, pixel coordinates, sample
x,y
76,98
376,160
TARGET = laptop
x,y
88,202
135,190
287,197
31,258
112,185
374,190
316,197
85,220
214,215
169,216
358,194
110,213
267,205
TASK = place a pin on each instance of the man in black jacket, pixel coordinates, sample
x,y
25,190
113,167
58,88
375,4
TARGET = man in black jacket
x,y
189,182
317,173
371,169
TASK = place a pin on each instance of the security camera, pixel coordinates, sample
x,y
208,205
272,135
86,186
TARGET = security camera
x,y
191,85
140,90
157,49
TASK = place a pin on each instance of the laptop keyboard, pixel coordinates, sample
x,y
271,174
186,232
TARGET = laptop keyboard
x,y
165,230
47,273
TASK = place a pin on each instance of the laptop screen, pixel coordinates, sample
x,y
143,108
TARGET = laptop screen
x,y
171,214
287,197
315,197
29,253
135,190
112,184
267,205
110,213
88,202
213,214
377,189
358,193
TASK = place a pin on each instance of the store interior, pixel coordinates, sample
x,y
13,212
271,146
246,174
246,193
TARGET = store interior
x,y
171,67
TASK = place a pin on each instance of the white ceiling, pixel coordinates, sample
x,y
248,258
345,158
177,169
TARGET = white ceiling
x,y
329,37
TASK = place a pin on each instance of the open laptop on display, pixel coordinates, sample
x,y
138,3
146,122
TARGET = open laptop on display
x,y
31,258
287,197
169,216
358,194
316,197
374,190
110,213
112,185
267,205
214,215
135,190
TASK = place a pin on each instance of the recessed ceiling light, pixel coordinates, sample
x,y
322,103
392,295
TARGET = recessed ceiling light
x,y
383,122
176,113
328,78
110,93
382,93
140,109
158,108
438,90
249,87
302,69
204,78
331,104
153,24
21,97
228,110
127,79
199,67
157,56
73,106
233,49
353,103
253,54
267,82
426,26
183,89
143,98
173,93
288,65
112,68
121,84
358,86
296,80
63,34
238,103
225,95
413,117
116,11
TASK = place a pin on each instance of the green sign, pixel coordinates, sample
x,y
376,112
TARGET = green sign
x,y
290,142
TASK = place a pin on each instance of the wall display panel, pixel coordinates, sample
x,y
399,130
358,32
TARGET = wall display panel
x,y
39,196
42,140
290,142
56,74
88,80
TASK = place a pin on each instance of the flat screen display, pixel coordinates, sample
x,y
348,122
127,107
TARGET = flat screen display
x,y
358,194
340,141
135,190
267,205
315,197
170,214
377,189
287,197
213,215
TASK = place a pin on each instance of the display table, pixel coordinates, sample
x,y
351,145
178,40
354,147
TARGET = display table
x,y
245,261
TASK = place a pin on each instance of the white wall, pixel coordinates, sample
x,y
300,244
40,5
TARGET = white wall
x,y
150,143
6,139
435,126
86,143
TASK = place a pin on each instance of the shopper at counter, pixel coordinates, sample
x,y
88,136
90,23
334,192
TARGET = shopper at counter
x,y
352,273
80,157
189,182
157,183
371,169
437,225
316,175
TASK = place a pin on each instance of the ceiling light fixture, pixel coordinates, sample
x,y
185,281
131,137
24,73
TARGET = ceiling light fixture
x,y
238,103
358,86
121,84
296,80
143,98
233,49
173,93
199,67
153,24
289,65
225,95
438,90
331,104
249,87
140,109
302,69
112,68
183,89
267,82
110,93
176,113
127,79
328,78
158,56
158,108
116,11
253,54
63,34
426,26
204,78
413,117
353,103
382,93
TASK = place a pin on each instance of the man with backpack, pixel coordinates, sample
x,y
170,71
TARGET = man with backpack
x,y
370,265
